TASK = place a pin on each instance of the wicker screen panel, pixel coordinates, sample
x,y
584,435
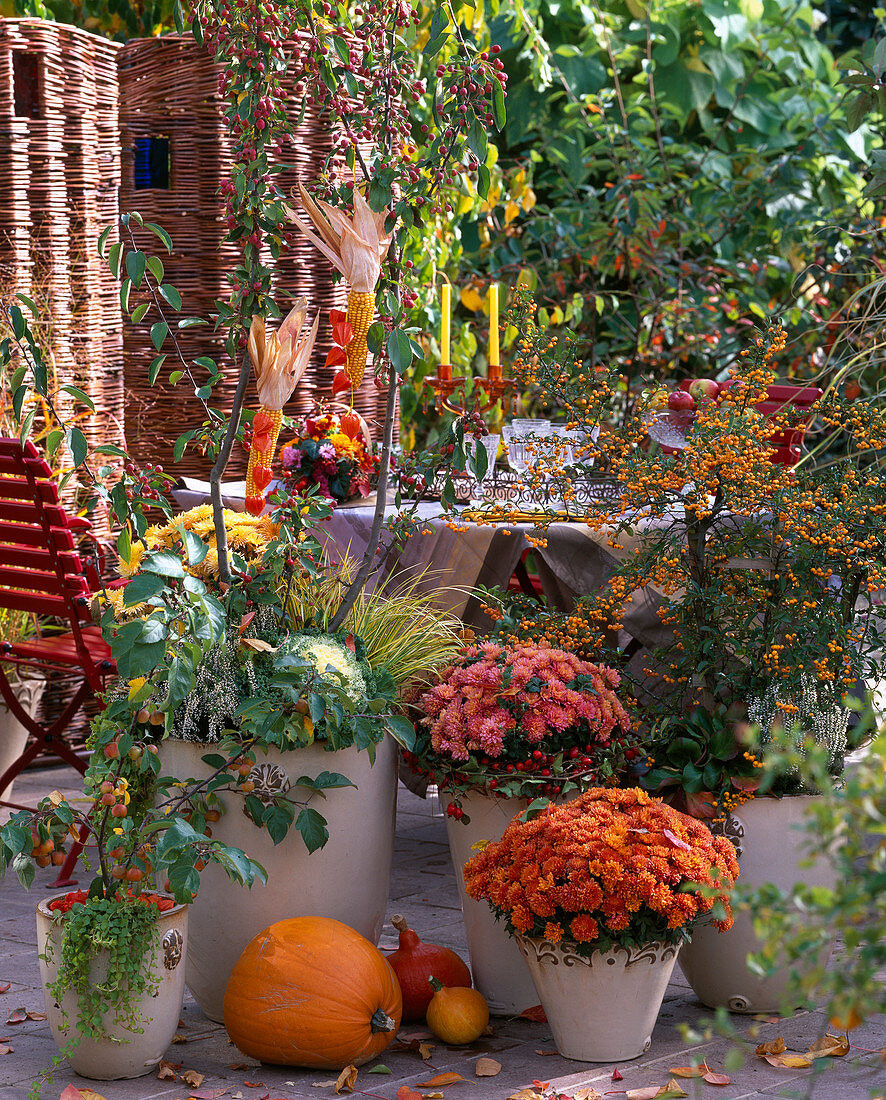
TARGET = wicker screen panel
x,y
170,105
59,183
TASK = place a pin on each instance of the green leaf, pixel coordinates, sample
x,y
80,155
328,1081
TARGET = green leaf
x,y
190,322
277,819
171,295
183,440
78,395
155,266
483,181
325,781
180,684
136,262
53,441
77,445
125,288
375,338
312,827
161,233
154,370
399,351
402,730
163,562
175,376
499,114
159,331
140,311
144,586
103,240
341,48
380,1068
26,301
178,17
114,256
195,547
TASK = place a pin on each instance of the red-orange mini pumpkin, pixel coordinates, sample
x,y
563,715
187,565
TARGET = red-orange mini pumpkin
x,y
312,992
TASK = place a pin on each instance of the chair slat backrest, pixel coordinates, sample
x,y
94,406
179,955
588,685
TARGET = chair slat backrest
x,y
40,569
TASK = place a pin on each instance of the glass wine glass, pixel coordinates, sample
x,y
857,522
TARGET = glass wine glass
x,y
490,442
521,437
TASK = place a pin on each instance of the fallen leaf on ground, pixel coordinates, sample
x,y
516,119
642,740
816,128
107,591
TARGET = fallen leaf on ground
x,y
440,1081
242,1065
4,988
657,1092
206,1094
687,1071
587,1094
525,1094
404,1092
713,1078
17,1016
236,1096
536,1014
487,1067
774,1046
5,1049
788,1060
831,1046
90,1094
616,1076
73,1093
407,1035
323,1084
36,1016
257,1084
416,1045
766,1019
546,1053
192,1078
167,1071
379,1069
346,1080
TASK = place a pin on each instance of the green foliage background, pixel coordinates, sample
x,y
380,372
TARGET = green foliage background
x,y
671,172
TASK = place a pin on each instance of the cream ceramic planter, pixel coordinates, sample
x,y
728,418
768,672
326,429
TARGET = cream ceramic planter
x,y
771,845
122,1053
348,879
13,735
496,963
602,1008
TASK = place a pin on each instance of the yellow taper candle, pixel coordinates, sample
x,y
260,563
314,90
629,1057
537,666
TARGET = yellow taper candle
x,y
494,364
445,319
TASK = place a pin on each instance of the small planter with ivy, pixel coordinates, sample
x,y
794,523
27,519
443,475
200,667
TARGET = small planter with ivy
x,y
112,955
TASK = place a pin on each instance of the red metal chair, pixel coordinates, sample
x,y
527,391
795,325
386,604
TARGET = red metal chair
x,y
786,444
42,572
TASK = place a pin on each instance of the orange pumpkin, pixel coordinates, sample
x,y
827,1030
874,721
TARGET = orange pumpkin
x,y
312,992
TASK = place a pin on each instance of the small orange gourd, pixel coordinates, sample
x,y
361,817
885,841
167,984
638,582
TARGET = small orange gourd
x,y
312,992
415,962
457,1015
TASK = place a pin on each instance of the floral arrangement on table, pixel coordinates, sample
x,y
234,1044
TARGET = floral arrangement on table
x,y
613,866
333,453
521,721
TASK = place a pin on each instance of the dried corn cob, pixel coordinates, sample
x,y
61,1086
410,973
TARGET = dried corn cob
x,y
266,430
361,311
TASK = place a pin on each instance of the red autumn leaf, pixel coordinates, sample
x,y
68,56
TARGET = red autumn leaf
x,y
676,841
351,643
342,333
336,357
440,1081
206,1094
404,1092
254,1084
245,620
616,1076
71,1092
536,1014
340,383
17,1016
4,988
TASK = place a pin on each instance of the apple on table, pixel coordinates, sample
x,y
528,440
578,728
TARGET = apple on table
x,y
681,401
704,389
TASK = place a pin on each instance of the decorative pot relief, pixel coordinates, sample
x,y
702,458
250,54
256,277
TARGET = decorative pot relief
x,y
172,944
559,955
270,780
